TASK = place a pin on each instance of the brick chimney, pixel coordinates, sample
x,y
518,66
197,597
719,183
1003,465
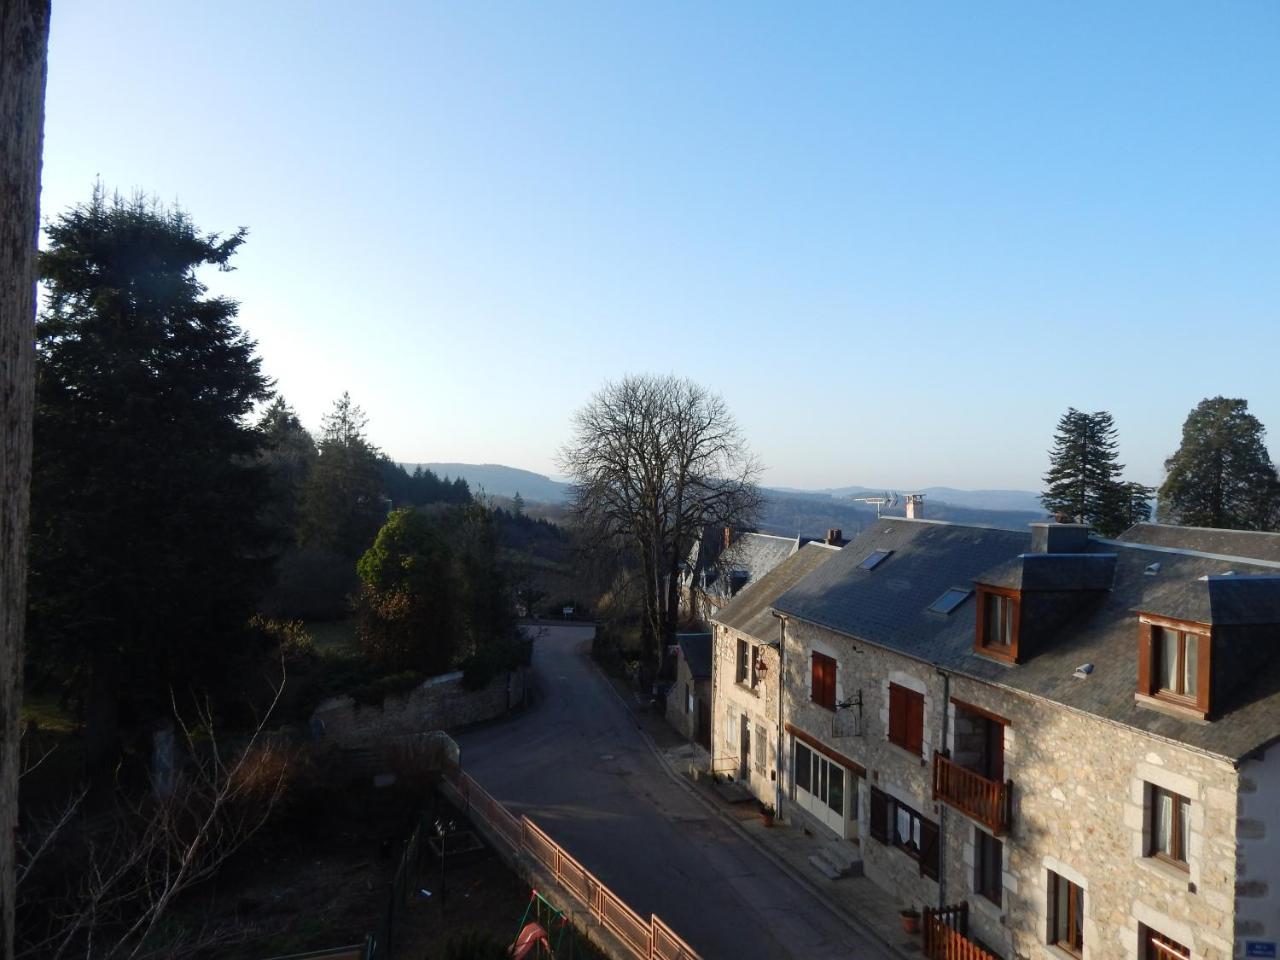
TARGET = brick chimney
x,y
834,536
915,506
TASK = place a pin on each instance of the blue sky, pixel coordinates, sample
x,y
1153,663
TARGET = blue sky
x,y
899,239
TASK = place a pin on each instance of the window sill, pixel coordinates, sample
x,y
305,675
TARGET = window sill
x,y
822,706
907,751
1180,876
1174,709
1054,952
988,907
747,689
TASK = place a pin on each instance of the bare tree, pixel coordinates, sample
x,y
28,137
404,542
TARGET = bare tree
x,y
115,878
24,43
654,462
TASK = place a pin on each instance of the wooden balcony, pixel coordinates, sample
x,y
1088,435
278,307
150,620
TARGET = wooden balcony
x,y
946,935
987,801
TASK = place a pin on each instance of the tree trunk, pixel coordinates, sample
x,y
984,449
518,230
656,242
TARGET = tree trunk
x,y
24,44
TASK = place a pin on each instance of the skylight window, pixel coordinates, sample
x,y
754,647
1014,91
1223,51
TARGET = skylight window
x,y
874,559
950,600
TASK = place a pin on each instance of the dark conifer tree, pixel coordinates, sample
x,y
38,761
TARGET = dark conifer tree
x,y
343,501
1222,474
1083,482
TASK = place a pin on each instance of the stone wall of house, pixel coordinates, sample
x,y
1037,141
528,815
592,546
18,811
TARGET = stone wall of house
x,y
732,700
862,734
1082,808
1258,851
439,703
681,713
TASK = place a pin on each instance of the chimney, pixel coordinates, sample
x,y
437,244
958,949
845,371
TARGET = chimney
x,y
728,537
915,506
834,536
1059,537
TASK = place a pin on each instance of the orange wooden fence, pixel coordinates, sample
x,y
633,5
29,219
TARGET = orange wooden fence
x,y
646,939
946,935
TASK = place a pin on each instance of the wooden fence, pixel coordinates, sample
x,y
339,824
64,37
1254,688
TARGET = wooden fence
x,y
649,939
946,935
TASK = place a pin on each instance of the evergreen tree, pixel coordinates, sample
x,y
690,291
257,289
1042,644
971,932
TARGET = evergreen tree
x,y
342,501
1222,474
1083,481
146,538
288,454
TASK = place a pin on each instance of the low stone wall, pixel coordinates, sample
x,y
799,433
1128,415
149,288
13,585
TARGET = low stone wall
x,y
440,703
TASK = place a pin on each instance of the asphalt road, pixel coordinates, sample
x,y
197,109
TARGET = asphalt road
x,y
577,765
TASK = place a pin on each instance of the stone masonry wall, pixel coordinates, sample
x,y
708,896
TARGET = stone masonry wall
x,y
1258,851
730,700
1082,808
440,703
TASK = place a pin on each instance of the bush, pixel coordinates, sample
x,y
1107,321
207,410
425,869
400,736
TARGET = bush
x,y
493,659
291,637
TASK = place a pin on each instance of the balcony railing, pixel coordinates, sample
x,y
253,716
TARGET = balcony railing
x,y
987,801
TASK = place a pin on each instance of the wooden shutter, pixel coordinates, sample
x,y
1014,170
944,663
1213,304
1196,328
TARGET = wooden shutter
x,y
879,815
929,849
1204,648
830,691
913,704
1145,657
897,715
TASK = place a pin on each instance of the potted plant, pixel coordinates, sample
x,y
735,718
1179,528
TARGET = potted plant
x,y
910,920
767,813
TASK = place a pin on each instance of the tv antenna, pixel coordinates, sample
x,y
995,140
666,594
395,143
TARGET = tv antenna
x,y
886,499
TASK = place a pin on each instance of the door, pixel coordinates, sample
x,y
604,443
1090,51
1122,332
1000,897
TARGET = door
x,y
744,751
825,789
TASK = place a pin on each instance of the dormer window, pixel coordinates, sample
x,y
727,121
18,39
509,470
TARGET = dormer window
x,y
1173,663
998,616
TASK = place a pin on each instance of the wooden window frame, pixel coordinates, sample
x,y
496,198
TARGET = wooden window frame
x,y
742,663
906,719
1008,654
1156,946
982,849
1149,690
823,682
884,810
1074,926
1176,857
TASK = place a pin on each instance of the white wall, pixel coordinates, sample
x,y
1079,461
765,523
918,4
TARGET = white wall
x,y
1258,851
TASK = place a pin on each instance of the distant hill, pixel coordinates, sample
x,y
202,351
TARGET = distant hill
x,y
500,481
787,512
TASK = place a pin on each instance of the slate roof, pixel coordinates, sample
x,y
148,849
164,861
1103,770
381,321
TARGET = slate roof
x,y
754,554
1228,601
1054,571
1255,545
749,612
695,649
888,607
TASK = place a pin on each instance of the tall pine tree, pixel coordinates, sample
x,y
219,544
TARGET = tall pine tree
x,y
1083,482
1222,474
342,501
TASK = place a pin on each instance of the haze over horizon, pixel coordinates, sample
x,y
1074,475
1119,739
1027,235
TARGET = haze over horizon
x,y
899,242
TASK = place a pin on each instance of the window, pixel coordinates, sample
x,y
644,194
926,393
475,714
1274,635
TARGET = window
x,y
1066,914
824,681
1173,664
1176,662
988,866
804,768
743,675
950,600
821,778
874,559
906,719
760,747
999,614
898,825
1156,946
1170,836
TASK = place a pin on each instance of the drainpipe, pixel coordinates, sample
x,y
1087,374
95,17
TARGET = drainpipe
x,y
782,670
942,807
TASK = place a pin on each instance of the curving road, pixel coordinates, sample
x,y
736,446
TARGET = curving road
x,y
578,766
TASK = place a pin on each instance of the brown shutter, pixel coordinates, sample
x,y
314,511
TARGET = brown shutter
x,y
879,816
897,733
831,683
929,849
1145,658
914,721
1204,650
816,681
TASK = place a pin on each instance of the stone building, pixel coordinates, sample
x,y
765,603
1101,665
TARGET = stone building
x,y
689,699
745,691
1075,737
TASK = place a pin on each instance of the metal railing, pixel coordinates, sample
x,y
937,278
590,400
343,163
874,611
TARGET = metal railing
x,y
650,939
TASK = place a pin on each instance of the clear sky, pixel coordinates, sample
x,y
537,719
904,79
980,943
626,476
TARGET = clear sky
x,y
900,239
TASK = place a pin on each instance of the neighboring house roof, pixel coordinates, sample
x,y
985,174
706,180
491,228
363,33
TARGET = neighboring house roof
x,y
1258,545
747,559
749,612
695,650
887,606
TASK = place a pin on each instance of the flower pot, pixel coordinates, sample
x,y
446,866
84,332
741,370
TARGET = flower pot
x,y
910,922
767,818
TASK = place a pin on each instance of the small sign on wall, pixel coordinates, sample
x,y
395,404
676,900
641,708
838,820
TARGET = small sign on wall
x,y
1260,948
